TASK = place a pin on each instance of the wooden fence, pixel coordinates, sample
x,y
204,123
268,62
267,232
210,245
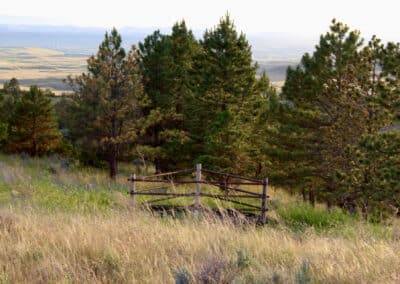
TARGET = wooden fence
x,y
233,189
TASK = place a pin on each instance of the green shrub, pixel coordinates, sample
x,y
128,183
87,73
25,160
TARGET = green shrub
x,y
243,259
303,276
299,216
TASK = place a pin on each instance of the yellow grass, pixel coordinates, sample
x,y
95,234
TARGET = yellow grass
x,y
56,92
49,234
33,63
38,63
134,247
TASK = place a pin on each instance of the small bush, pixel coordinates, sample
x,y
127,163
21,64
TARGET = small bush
x,y
182,277
303,276
299,216
243,259
216,270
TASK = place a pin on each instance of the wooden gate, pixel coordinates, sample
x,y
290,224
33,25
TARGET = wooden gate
x,y
245,194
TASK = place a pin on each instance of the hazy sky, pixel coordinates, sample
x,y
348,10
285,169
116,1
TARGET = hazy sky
x,y
306,17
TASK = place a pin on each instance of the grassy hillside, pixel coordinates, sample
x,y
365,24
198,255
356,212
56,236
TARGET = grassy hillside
x,y
63,223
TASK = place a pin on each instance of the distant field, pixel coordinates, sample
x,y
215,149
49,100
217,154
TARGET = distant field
x,y
44,67
276,69
47,67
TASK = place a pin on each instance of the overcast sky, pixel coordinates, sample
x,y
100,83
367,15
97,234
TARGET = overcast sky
x,y
305,17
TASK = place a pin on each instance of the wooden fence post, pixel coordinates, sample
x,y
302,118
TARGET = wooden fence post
x,y
264,201
132,190
198,188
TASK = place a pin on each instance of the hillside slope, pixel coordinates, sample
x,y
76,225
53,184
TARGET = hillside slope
x,y
63,223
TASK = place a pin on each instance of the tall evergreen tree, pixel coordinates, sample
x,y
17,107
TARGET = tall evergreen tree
x,y
374,178
167,66
217,113
12,87
390,59
3,121
374,175
259,121
11,94
107,102
184,51
327,109
34,126
226,62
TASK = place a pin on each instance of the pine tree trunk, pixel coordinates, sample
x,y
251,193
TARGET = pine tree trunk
x,y
157,165
311,197
113,163
34,142
156,143
113,150
34,148
364,210
258,170
303,193
328,205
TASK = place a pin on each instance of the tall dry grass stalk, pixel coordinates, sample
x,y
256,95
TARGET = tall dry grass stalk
x,y
68,224
134,247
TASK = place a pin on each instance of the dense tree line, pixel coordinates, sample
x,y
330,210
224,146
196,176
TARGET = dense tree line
x,y
329,135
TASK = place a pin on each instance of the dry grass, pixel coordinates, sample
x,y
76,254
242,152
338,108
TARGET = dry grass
x,y
28,63
36,63
138,248
69,225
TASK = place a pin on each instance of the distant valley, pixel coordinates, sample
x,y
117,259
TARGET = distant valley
x,y
44,55
40,66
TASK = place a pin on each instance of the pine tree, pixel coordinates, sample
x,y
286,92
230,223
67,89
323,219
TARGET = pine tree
x,y
107,102
12,94
184,51
217,113
155,66
390,59
9,98
3,121
260,121
375,173
327,110
33,125
12,87
167,66
226,62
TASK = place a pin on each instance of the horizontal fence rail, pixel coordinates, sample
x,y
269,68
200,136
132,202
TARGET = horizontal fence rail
x,y
192,181
227,184
258,181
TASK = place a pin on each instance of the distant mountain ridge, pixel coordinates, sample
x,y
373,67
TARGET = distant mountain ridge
x,y
266,46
